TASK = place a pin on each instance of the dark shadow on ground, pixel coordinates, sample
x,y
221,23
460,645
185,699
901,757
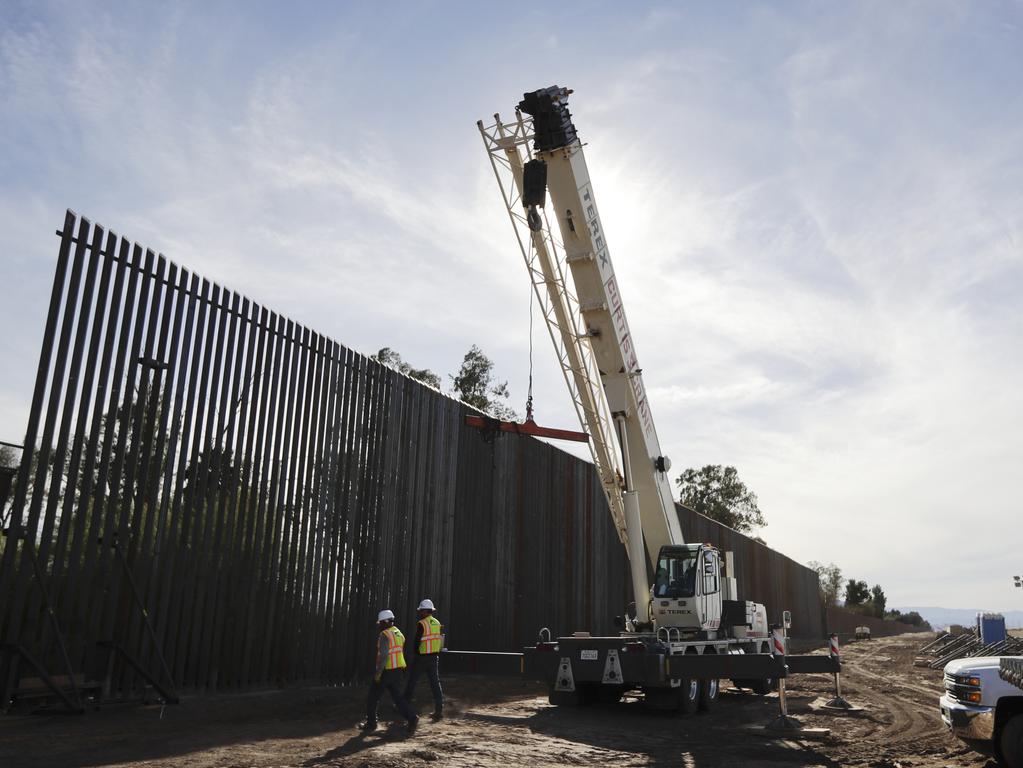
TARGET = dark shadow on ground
x,y
359,743
668,739
132,733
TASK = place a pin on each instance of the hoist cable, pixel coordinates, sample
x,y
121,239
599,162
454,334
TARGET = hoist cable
x,y
529,391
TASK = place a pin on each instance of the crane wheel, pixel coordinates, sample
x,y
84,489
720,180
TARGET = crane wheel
x,y
709,690
762,687
688,697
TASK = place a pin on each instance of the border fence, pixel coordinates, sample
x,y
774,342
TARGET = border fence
x,y
214,497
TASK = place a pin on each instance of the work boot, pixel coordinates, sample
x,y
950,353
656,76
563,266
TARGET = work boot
x,y
412,725
368,727
437,715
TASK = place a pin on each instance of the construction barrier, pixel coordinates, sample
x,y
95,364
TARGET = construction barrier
x,y
213,497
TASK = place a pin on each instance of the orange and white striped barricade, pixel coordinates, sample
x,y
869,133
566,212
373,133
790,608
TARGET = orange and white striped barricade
x,y
838,703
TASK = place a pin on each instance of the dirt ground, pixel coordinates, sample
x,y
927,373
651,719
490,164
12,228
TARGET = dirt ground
x,y
509,723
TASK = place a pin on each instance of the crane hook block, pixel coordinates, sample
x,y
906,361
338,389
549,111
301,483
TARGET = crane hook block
x,y
534,184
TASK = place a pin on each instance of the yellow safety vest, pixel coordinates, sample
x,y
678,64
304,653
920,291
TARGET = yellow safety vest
x,y
432,638
395,649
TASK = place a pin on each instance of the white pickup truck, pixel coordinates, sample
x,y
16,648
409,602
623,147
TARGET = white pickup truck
x,y
981,705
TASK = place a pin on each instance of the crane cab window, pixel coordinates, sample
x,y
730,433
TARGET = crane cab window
x,y
676,573
710,573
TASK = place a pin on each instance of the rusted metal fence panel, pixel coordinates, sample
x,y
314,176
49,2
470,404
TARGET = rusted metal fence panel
x,y
764,575
223,499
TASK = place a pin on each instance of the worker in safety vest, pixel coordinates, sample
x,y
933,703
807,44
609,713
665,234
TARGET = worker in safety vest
x,y
388,673
426,656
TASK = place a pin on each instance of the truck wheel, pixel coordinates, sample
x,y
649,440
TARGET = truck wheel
x,y
762,687
688,697
1011,742
708,694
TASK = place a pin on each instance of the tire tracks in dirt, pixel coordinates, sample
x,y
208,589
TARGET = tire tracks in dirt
x,y
912,721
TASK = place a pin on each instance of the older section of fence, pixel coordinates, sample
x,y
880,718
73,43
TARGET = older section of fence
x,y
214,497
765,576
844,622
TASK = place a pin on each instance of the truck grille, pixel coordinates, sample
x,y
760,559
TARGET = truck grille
x,y
958,688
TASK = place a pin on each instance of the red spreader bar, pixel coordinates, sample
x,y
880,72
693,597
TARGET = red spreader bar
x,y
528,427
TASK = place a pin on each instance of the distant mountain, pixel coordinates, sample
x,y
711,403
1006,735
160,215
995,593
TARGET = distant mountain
x,y
940,618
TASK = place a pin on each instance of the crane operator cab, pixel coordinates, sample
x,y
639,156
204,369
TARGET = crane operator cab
x,y
687,589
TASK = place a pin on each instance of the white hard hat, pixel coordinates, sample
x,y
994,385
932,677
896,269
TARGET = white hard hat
x,y
385,615
427,605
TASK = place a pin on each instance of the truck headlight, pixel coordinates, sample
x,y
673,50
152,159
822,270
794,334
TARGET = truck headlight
x,y
973,697
974,681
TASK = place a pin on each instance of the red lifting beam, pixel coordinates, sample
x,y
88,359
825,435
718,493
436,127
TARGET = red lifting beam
x,y
528,427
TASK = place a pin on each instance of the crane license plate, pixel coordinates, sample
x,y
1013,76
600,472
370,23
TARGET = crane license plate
x,y
588,655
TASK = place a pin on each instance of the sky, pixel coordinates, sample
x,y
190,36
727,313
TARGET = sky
x,y
815,212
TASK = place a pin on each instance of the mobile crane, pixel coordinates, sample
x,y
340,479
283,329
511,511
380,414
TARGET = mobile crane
x,y
689,628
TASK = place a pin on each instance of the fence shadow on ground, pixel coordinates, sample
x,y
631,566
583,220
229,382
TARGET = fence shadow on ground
x,y
129,733
729,736
224,727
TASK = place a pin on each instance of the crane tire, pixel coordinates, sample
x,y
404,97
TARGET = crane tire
x,y
709,690
762,687
688,697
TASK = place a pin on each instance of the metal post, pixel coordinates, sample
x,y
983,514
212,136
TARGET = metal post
x,y
29,548
172,697
833,652
783,723
838,704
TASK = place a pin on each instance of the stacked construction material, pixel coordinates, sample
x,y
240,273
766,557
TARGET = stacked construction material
x,y
946,648
937,643
1011,671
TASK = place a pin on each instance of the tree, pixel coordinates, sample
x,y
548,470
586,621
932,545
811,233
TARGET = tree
x,y
8,457
856,592
830,576
8,469
392,359
474,384
718,493
912,618
877,597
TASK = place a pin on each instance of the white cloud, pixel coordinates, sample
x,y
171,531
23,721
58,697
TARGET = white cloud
x,y
815,218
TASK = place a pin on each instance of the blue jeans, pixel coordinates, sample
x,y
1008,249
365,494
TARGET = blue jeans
x,y
390,680
429,664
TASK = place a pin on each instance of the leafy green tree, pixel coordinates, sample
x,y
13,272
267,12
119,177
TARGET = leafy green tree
x,y
912,618
8,457
8,469
830,576
717,492
474,384
877,597
392,359
856,593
